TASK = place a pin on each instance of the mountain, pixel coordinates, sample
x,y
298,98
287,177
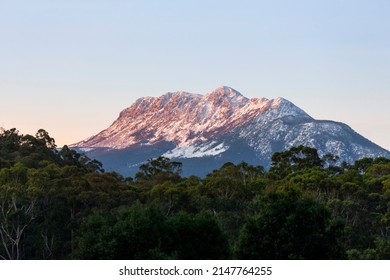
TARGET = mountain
x,y
205,131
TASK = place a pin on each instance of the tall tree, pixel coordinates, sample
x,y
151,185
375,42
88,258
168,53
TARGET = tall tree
x,y
294,159
289,226
18,201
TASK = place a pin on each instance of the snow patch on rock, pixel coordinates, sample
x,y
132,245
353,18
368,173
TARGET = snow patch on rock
x,y
197,151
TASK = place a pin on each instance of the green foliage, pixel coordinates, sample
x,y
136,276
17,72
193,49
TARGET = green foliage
x,y
18,201
196,237
59,204
127,233
72,158
289,226
294,159
159,169
143,232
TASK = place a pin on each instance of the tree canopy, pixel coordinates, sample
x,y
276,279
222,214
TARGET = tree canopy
x,y
56,203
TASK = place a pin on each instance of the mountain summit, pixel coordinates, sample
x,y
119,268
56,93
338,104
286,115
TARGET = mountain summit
x,y
204,131
184,118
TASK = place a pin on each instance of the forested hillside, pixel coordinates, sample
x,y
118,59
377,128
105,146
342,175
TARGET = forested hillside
x,y
60,204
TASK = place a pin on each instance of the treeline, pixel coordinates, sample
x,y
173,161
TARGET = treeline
x,y
60,204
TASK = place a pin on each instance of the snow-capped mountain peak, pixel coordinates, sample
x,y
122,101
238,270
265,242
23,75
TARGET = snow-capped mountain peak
x,y
184,118
226,94
225,125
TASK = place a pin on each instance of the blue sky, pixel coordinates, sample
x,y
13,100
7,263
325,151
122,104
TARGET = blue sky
x,y
70,66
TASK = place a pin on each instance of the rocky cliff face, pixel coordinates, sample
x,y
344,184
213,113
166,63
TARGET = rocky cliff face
x,y
204,131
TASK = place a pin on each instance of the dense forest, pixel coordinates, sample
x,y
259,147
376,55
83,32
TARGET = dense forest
x,y
56,203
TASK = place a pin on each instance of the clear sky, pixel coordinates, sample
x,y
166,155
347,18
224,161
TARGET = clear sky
x,y
70,66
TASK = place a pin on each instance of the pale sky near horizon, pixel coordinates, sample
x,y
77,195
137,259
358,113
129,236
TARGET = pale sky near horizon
x,y
70,66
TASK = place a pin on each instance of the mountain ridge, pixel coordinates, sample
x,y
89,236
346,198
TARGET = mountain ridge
x,y
218,111
189,126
